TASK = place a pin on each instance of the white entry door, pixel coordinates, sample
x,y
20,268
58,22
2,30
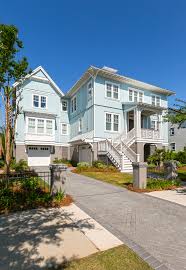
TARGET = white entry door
x,y
38,155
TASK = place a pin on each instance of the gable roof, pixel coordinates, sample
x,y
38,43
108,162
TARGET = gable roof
x,y
46,78
105,72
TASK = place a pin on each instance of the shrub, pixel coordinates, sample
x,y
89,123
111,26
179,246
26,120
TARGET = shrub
x,y
98,164
162,184
59,196
64,161
19,166
83,165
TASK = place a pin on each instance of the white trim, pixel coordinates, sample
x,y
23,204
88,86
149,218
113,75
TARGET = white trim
x,y
112,90
112,122
36,122
154,95
67,126
39,107
135,90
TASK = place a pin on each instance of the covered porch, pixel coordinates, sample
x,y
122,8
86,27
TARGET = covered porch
x,y
145,121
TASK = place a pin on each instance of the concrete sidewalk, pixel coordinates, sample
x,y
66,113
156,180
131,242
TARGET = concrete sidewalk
x,y
45,237
170,195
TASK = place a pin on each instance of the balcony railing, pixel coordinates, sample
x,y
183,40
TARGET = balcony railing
x,y
150,134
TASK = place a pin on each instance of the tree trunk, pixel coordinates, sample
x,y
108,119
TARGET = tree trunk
x,y
7,136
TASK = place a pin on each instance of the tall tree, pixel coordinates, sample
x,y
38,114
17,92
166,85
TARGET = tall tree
x,y
12,69
177,113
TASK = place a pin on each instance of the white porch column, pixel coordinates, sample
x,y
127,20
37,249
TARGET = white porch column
x,y
160,125
137,122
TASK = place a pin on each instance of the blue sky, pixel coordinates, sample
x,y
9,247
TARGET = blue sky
x,y
143,39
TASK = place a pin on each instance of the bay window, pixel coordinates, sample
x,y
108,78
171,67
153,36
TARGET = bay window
x,y
40,126
49,127
31,125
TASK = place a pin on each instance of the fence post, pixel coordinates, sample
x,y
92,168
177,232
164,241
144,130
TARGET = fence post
x,y
139,174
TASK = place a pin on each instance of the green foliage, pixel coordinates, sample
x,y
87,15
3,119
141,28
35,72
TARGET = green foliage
x,y
59,196
157,157
83,165
99,164
177,114
162,184
19,166
63,161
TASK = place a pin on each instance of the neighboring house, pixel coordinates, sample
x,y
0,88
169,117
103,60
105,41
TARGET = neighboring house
x,y
177,137
103,116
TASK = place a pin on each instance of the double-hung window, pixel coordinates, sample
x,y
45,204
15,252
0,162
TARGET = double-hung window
x,y
90,91
73,104
135,95
39,101
64,129
36,101
40,126
31,125
112,91
64,105
49,127
156,100
112,122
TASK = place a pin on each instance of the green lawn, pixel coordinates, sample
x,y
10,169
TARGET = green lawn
x,y
119,258
115,178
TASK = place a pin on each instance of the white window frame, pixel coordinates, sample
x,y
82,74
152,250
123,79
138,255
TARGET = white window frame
x,y
112,90
174,146
80,125
36,123
67,126
152,95
44,126
52,127
73,107
89,96
39,107
112,122
135,90
62,105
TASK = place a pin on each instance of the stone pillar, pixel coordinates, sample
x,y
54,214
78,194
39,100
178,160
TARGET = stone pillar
x,y
139,174
58,178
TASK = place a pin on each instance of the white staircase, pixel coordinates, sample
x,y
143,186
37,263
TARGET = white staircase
x,y
119,151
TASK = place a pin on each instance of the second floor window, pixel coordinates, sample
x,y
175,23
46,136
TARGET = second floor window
x,y
73,104
156,100
135,95
112,91
64,105
40,126
31,125
39,101
49,127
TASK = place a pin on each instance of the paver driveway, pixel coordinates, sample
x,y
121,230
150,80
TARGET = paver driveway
x,y
156,225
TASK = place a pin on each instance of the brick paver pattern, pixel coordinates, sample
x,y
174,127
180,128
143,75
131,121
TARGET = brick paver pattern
x,y
156,225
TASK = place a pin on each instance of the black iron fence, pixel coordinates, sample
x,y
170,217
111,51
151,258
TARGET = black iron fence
x,y
27,180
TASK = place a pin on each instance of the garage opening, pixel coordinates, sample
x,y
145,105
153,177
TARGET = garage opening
x,y
38,155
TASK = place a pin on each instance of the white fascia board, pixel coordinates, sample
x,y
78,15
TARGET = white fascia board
x,y
40,68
